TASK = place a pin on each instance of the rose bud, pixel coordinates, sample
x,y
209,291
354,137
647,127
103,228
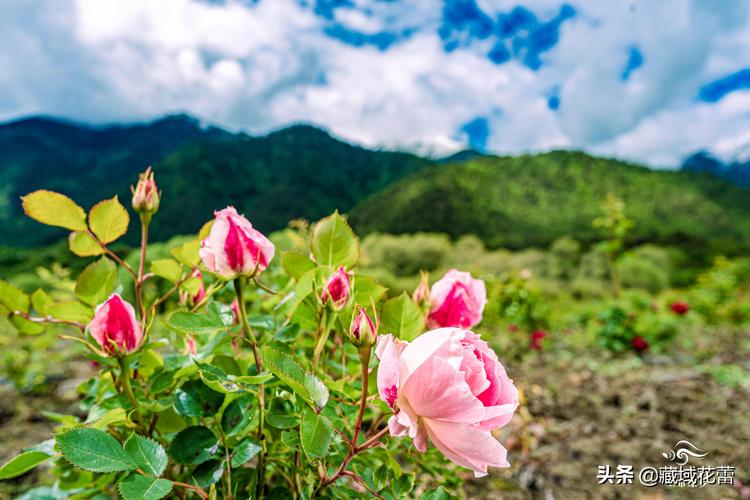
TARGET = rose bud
x,y
457,300
680,307
421,294
197,296
639,343
536,340
337,289
447,385
191,346
362,331
233,248
115,327
235,310
145,194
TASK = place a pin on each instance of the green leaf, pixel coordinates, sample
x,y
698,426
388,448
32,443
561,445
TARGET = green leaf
x,y
137,487
288,333
245,451
71,311
196,399
147,454
108,220
40,300
22,463
436,494
193,445
208,473
97,281
188,253
402,317
195,323
282,414
169,269
83,244
296,264
25,326
238,414
317,390
54,209
286,369
315,435
13,298
93,450
367,289
403,485
334,243
219,380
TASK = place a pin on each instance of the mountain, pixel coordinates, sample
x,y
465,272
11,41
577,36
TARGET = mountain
x,y
737,172
533,199
296,172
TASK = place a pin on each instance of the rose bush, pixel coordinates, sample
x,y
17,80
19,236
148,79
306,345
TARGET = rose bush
x,y
240,365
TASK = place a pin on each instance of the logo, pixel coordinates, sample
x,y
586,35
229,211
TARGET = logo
x,y
682,451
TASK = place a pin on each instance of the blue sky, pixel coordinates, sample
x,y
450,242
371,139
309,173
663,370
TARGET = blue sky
x,y
651,81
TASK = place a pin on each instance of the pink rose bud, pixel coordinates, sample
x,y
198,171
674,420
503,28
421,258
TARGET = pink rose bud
x,y
191,346
536,340
233,248
145,194
197,296
447,385
639,343
421,294
337,289
457,300
236,310
362,330
115,327
680,307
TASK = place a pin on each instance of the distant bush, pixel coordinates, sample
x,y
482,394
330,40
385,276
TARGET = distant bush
x,y
406,255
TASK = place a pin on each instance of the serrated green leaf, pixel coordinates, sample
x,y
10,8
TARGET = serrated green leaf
x,y
288,333
245,451
296,264
137,487
169,269
188,253
219,380
22,463
195,323
282,414
334,243
403,485
25,326
54,209
316,432
147,454
108,220
284,367
93,450
367,289
317,390
83,244
13,298
436,494
40,300
196,399
97,281
71,311
193,445
402,317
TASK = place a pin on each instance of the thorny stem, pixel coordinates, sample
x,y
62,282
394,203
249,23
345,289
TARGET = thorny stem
x,y
364,359
261,388
322,336
50,319
114,256
141,264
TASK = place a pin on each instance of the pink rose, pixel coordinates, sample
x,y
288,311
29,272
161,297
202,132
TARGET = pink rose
x,y
363,331
233,248
145,194
337,289
457,300
115,328
447,385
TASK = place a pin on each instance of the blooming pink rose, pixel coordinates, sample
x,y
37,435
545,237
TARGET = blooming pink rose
x,y
115,328
447,385
233,248
456,300
337,289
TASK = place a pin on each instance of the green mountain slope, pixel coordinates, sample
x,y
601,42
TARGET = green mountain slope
x,y
534,199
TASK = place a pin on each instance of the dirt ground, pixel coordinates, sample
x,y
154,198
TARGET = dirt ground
x,y
576,416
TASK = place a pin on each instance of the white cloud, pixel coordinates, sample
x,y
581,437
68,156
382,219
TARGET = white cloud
x,y
259,67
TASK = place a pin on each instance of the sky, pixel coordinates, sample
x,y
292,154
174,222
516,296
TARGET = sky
x,y
650,81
